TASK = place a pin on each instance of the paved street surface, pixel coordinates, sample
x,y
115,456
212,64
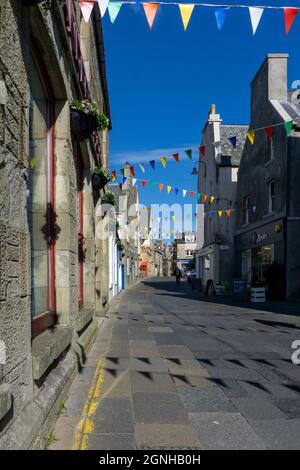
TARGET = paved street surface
x,y
176,370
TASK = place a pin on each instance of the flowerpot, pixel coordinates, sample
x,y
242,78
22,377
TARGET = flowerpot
x,y
98,181
82,124
30,3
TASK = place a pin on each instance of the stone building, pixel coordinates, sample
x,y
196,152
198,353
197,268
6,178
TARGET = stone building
x,y
184,251
48,272
268,182
217,179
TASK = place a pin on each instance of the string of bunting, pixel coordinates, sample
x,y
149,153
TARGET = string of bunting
x,y
269,131
202,198
186,10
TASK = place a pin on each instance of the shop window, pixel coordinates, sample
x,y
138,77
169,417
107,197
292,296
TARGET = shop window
x,y
271,197
40,203
246,210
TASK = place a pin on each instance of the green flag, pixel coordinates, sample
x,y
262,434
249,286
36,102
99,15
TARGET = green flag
x,y
152,185
288,126
189,153
199,196
113,10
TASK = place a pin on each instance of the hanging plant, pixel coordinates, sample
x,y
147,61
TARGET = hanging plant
x,y
108,198
86,118
100,178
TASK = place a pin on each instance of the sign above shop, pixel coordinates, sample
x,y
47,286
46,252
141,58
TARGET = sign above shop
x,y
259,237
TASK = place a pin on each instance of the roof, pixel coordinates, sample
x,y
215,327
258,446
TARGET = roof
x,y
231,130
292,104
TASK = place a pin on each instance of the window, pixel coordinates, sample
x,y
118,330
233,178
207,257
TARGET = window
x,y
271,150
80,201
246,207
271,197
41,216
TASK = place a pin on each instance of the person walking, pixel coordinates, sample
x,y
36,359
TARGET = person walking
x,y
178,275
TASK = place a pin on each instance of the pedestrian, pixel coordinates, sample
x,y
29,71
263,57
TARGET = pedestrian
x,y
178,275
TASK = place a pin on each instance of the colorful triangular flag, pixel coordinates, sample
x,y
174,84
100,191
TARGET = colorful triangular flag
x,y
288,126
212,198
202,150
113,10
176,191
233,141
205,196
102,6
152,163
189,153
160,186
132,170
142,167
169,189
173,217
114,175
199,196
183,192
186,10
250,135
221,13
269,131
163,161
144,183
152,184
191,193
220,213
134,180
176,157
122,171
289,16
228,212
86,8
150,12
255,16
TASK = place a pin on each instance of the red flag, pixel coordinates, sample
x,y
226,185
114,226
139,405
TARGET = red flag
x,y
202,150
114,174
144,183
176,156
269,131
132,170
289,16
191,193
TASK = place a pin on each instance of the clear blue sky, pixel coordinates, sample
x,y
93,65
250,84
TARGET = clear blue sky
x,y
162,82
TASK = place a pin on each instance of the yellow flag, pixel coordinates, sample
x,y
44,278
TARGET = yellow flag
x,y
163,161
186,10
32,163
250,136
212,198
169,188
173,217
220,213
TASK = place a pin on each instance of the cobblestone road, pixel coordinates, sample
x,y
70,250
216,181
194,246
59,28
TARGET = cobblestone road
x,y
175,370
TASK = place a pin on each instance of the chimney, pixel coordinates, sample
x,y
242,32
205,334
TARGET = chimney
x,y
271,79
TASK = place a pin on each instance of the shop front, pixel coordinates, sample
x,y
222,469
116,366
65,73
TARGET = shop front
x,y
257,249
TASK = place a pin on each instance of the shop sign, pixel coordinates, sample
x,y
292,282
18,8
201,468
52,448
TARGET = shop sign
x,y
224,247
259,237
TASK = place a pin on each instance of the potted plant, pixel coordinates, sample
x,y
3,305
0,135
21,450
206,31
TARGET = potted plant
x,y
86,118
100,178
108,198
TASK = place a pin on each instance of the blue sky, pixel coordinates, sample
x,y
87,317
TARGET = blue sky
x,y
162,82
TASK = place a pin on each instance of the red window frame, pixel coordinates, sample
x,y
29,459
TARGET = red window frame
x,y
47,319
80,195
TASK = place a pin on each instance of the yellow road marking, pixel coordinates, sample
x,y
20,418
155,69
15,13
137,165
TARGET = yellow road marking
x,y
86,424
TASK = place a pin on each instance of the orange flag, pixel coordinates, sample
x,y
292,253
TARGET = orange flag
x,y
205,197
150,12
228,212
160,186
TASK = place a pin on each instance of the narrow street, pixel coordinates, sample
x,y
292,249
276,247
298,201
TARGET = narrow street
x,y
175,370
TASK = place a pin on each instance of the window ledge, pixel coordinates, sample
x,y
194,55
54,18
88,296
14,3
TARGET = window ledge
x,y
85,315
5,400
47,347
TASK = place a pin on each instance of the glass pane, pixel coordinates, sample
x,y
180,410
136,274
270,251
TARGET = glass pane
x,y
37,192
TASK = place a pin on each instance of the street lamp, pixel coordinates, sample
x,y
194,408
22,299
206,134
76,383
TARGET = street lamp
x,y
195,171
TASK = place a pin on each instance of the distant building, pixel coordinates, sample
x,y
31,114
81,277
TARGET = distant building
x,y
217,178
268,187
184,251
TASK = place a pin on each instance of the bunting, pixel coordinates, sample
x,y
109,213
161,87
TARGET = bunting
x,y
86,8
255,16
233,141
189,153
160,186
289,17
152,163
186,10
221,13
163,161
103,4
144,183
288,127
142,167
269,132
150,10
184,192
113,10
169,189
250,135
176,157
202,150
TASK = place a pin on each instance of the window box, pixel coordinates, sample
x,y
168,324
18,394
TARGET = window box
x,y
82,124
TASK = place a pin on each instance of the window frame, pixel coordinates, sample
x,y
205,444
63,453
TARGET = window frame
x,y
271,196
80,196
45,320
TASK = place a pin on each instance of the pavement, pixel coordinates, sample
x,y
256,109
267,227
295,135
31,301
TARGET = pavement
x,y
173,369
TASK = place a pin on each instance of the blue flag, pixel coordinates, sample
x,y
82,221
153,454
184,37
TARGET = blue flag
x,y
233,141
221,13
176,191
152,163
124,179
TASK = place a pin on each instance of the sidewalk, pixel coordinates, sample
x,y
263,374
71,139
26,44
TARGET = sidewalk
x,y
172,371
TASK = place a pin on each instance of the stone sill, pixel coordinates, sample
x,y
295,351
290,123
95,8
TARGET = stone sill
x,y
85,315
47,347
5,400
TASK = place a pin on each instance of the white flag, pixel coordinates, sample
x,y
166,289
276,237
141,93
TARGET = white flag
x,y
255,16
103,4
86,8
134,180
184,192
